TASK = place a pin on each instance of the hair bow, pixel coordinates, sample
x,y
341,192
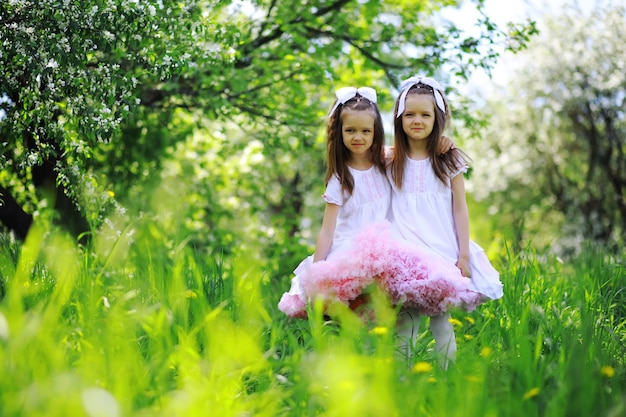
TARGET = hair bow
x,y
346,93
408,83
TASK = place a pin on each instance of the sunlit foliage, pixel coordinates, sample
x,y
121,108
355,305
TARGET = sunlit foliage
x,y
552,164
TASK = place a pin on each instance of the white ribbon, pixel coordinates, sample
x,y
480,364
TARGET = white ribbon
x,y
346,93
408,83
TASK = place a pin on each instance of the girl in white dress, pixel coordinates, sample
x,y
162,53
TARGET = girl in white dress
x,y
429,208
357,195
355,248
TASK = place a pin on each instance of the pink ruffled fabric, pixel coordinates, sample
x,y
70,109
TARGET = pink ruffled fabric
x,y
427,282
346,275
293,306
351,271
408,275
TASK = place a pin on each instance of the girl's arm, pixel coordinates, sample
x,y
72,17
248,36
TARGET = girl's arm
x,y
327,232
461,222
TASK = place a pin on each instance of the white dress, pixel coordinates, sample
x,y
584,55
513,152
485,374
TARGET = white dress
x,y
368,204
421,213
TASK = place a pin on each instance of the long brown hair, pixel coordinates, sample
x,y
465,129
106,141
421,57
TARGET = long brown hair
x,y
337,155
443,165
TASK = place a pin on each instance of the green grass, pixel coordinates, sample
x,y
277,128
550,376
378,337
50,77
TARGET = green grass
x,y
152,327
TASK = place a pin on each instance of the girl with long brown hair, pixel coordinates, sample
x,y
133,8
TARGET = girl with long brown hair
x,y
357,195
429,208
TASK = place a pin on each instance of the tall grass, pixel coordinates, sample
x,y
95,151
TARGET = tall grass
x,y
152,327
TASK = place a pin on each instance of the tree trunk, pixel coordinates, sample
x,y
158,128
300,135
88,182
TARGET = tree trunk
x,y
12,216
68,214
15,219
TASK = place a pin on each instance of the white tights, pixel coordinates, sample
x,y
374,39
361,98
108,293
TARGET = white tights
x,y
445,342
407,327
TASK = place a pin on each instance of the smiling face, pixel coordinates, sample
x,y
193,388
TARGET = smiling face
x,y
418,118
357,130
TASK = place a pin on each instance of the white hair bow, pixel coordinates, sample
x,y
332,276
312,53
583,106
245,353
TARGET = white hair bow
x,y
408,83
346,93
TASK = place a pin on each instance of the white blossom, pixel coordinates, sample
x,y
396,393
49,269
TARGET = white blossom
x,y
108,35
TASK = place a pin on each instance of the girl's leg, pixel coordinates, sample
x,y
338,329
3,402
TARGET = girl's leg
x,y
407,329
445,343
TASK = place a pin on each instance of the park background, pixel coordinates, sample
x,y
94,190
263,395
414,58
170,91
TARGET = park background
x,y
162,167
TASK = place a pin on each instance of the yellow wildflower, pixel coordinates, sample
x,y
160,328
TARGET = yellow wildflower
x,y
191,294
455,322
111,194
470,320
607,371
379,330
468,336
533,392
486,351
422,368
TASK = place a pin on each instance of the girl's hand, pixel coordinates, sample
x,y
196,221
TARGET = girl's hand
x,y
463,265
445,145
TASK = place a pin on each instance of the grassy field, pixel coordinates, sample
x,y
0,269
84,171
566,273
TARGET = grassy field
x,y
151,328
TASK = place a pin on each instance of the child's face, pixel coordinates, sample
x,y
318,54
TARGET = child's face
x,y
357,130
418,119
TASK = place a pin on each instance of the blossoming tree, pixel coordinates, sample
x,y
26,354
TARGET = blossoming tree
x,y
91,90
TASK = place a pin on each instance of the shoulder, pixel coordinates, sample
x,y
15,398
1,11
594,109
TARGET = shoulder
x,y
333,193
460,159
334,179
455,162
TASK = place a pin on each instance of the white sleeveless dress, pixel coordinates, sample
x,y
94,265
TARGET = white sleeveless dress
x,y
421,214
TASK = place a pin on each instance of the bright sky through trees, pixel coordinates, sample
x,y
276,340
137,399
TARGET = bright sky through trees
x,y
501,12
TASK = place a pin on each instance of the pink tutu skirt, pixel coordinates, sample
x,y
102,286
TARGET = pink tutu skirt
x,y
427,282
344,276
408,275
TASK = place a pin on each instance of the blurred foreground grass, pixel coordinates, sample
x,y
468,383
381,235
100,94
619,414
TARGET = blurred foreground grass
x,y
150,327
